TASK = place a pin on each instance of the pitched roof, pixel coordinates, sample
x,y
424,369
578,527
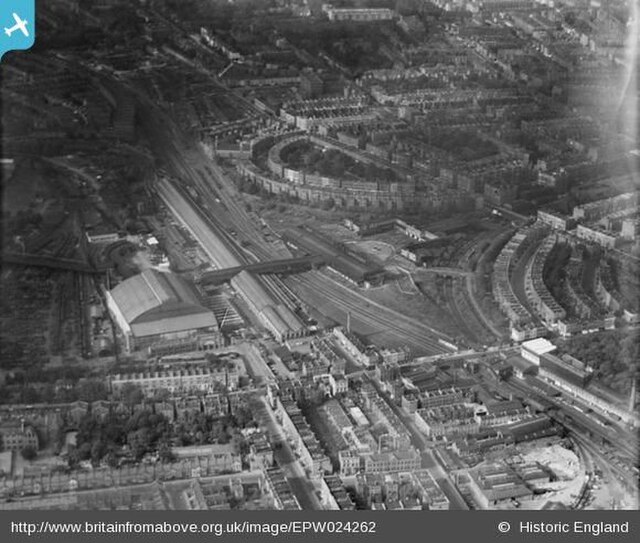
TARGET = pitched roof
x,y
154,303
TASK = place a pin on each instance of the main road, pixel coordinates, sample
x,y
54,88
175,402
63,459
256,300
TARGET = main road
x,y
302,487
429,458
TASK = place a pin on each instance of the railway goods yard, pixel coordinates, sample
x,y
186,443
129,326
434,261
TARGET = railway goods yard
x,y
395,271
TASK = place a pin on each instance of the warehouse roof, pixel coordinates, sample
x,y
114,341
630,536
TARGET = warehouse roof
x,y
539,346
155,303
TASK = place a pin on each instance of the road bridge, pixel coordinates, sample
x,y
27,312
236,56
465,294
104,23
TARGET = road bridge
x,y
450,272
282,266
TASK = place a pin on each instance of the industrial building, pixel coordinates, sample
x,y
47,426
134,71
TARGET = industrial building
x,y
568,368
155,308
492,484
348,265
534,349
278,319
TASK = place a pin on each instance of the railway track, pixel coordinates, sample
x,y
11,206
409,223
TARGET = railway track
x,y
580,424
370,313
462,319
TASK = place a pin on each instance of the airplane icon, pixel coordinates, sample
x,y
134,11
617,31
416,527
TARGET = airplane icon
x,y
20,25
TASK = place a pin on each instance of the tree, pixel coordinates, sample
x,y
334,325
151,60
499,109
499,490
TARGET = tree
x,y
29,453
30,395
243,416
74,458
131,394
48,393
162,395
97,451
112,459
140,442
165,453
92,390
328,204
252,188
84,451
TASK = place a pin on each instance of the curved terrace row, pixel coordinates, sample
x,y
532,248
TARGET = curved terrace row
x,y
296,163
503,291
537,292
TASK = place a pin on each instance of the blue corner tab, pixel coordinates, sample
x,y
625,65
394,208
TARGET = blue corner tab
x,y
17,25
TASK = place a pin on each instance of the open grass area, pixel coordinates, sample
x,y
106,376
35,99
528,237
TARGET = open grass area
x,y
305,156
414,306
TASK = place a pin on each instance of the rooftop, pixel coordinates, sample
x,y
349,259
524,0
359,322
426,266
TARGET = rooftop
x,y
539,346
155,302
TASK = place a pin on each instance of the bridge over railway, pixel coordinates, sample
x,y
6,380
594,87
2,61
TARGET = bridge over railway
x,y
285,266
43,261
450,272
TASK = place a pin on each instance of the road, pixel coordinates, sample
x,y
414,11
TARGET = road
x,y
429,459
447,272
302,487
280,266
255,364
456,501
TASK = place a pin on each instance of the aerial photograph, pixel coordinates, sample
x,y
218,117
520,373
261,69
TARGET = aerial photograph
x,y
320,255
